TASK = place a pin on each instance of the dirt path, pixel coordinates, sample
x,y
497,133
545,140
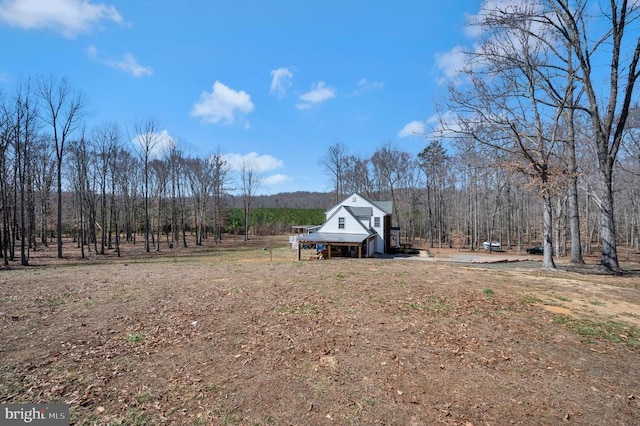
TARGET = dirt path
x,y
590,295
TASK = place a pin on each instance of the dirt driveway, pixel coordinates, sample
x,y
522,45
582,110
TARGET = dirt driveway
x,y
568,289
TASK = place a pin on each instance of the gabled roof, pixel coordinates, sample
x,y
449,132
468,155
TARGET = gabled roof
x,y
385,206
350,212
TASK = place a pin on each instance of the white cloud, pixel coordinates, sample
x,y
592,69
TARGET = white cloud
x,y
365,86
276,179
259,163
451,64
128,63
92,52
415,128
319,93
222,104
445,124
159,143
507,38
280,82
71,17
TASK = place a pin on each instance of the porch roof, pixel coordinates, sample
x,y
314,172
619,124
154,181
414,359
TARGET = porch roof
x,y
333,237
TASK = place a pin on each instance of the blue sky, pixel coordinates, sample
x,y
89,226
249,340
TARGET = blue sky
x,y
272,82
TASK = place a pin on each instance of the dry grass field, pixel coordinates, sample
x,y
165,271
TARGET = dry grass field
x,y
242,334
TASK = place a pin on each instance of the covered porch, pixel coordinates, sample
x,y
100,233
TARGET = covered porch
x,y
339,245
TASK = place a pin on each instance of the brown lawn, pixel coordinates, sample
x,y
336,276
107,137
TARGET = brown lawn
x,y
242,334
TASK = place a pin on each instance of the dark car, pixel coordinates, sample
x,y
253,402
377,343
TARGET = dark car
x,y
535,250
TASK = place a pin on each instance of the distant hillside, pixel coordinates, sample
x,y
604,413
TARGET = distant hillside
x,y
295,200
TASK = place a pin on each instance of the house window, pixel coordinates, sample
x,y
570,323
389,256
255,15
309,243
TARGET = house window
x,y
376,222
353,200
341,223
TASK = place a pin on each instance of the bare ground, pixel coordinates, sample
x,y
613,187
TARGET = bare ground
x,y
242,334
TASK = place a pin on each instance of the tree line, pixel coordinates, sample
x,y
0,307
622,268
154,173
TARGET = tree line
x,y
272,220
537,142
105,184
537,139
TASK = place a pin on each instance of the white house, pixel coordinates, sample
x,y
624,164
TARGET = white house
x,y
356,227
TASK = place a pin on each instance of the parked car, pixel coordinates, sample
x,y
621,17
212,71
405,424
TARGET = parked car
x,y
535,250
494,246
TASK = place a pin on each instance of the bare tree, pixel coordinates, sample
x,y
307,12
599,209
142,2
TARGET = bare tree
x,y
433,162
572,163
123,169
22,136
630,165
391,167
334,164
62,111
593,40
44,165
160,175
506,105
357,176
250,182
145,140
106,139
176,164
79,172
5,167
220,189
204,177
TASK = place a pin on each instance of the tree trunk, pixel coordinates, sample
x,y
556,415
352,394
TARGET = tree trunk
x,y
547,231
574,222
609,259
59,213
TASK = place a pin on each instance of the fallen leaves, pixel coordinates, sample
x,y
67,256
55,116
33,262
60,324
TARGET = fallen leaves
x,y
298,345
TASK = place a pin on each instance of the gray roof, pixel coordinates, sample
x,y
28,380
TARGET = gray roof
x,y
385,206
331,237
360,211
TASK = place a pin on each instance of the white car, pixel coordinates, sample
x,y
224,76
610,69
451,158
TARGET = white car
x,y
494,246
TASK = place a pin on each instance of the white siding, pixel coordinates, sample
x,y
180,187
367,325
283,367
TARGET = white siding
x,y
353,225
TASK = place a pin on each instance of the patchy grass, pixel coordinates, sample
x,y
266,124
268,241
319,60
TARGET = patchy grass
x,y
135,338
612,331
303,309
530,299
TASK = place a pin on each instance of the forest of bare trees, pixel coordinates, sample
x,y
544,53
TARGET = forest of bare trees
x,y
537,141
106,186
111,183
